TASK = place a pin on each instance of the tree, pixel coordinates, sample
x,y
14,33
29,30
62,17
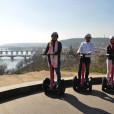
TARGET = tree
x,y
3,68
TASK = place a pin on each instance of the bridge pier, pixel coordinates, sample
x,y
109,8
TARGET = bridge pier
x,y
25,58
16,52
6,52
1,52
11,52
21,52
31,52
12,58
26,52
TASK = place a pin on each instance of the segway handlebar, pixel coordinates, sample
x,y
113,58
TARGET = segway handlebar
x,y
47,54
110,55
84,54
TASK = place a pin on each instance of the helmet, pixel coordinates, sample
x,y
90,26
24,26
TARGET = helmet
x,y
88,36
54,34
111,37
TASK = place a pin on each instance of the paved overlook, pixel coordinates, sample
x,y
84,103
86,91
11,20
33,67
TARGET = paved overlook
x,y
97,102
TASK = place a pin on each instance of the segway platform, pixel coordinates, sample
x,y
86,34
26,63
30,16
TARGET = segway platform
x,y
78,86
106,85
57,88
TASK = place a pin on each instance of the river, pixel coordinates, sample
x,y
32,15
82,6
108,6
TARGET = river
x,y
11,64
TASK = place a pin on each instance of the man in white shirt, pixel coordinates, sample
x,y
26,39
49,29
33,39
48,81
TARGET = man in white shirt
x,y
86,47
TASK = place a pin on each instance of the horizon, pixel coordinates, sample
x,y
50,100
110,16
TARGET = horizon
x,y
47,42
34,21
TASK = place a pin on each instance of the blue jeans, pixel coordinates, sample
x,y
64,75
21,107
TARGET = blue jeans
x,y
58,73
57,70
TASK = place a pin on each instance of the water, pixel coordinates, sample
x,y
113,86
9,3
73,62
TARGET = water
x,y
11,64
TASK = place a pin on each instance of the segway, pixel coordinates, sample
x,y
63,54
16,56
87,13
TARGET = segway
x,y
50,86
109,84
83,84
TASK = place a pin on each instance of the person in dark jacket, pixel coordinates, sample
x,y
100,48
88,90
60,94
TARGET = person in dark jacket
x,y
110,52
53,50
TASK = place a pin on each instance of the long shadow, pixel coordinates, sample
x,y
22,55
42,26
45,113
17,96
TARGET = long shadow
x,y
69,99
77,104
109,91
55,96
102,95
81,106
99,94
18,96
84,91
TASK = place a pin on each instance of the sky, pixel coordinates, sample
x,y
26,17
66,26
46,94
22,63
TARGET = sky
x,y
33,21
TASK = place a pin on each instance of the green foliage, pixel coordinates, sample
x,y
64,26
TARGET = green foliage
x,y
70,62
37,63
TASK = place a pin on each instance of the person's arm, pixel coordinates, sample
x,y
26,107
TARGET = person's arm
x,y
59,49
80,49
108,50
46,50
92,49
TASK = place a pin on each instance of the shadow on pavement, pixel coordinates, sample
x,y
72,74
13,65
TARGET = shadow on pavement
x,y
71,99
81,106
109,91
18,96
102,95
99,94
55,95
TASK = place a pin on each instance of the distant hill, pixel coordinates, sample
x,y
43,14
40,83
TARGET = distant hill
x,y
23,45
75,42
98,42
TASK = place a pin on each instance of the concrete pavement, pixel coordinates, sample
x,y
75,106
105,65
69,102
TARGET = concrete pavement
x,y
30,87
97,102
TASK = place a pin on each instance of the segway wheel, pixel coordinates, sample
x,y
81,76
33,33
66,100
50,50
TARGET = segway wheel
x,y
90,84
46,84
61,89
74,83
104,82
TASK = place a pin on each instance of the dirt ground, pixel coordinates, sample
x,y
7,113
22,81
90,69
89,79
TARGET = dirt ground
x,y
7,80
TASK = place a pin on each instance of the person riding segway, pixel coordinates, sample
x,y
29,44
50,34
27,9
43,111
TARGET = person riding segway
x,y
108,82
53,52
85,50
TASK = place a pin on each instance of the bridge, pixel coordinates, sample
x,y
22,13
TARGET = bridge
x,y
11,51
12,54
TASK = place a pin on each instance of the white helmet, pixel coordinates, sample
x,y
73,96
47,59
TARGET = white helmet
x,y
111,37
88,36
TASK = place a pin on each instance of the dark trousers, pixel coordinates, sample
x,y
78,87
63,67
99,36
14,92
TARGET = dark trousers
x,y
87,61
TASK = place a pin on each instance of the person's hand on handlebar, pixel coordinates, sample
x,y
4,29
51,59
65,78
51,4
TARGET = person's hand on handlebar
x,y
89,53
53,53
43,54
